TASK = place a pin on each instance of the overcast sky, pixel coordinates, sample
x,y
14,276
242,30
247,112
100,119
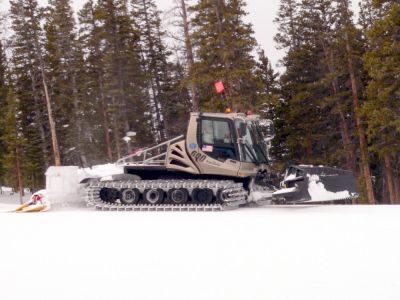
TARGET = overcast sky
x,y
261,15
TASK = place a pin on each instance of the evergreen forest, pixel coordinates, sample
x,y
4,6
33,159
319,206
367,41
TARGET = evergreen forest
x,y
88,87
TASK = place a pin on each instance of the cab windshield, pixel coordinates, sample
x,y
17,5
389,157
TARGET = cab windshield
x,y
252,143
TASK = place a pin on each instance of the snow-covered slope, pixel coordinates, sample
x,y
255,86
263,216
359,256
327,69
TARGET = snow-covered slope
x,y
329,252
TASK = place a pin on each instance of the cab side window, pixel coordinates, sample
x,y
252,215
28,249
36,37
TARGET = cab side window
x,y
216,139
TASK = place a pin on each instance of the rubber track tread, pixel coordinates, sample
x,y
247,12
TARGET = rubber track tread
x,y
234,194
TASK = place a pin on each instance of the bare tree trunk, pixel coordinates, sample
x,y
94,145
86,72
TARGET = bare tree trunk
x,y
154,83
292,25
19,176
397,188
106,122
39,122
390,178
360,128
115,130
157,110
78,123
54,140
189,57
344,129
103,103
385,193
309,152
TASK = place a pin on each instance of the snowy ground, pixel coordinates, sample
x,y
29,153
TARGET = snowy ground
x,y
330,252
10,202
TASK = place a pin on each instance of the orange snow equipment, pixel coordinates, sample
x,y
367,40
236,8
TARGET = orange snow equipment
x,y
219,87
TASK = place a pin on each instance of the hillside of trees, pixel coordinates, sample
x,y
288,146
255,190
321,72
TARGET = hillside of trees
x,y
74,84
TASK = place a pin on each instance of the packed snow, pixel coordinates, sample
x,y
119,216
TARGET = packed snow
x,y
285,191
318,192
314,252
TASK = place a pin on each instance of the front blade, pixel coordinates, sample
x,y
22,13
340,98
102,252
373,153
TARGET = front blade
x,y
309,184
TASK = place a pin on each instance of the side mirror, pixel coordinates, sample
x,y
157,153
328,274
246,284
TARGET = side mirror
x,y
243,129
267,128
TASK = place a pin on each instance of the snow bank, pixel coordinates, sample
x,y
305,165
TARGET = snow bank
x,y
318,192
6,190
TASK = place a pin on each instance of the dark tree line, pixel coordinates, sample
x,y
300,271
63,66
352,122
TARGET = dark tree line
x,y
74,90
340,91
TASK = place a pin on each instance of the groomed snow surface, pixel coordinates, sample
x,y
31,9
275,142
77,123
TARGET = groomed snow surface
x,y
320,252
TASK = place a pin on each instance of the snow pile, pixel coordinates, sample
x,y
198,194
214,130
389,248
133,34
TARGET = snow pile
x,y
290,177
285,191
318,192
100,171
260,196
6,190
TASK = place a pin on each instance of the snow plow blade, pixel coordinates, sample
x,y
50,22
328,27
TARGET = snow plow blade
x,y
309,184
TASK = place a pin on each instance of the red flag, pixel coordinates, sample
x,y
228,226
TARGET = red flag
x,y
219,86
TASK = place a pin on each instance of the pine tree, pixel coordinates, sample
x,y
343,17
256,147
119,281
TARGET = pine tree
x,y
63,57
189,54
98,118
223,44
320,16
383,64
154,58
180,98
26,77
124,78
314,94
268,97
304,123
288,24
29,70
368,15
269,102
15,143
181,17
347,34
3,94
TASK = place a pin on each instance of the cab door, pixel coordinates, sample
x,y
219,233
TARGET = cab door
x,y
216,148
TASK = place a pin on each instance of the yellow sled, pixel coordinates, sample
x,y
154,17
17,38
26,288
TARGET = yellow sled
x,y
35,204
31,208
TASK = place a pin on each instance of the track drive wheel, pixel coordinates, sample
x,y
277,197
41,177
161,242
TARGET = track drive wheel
x,y
221,196
178,196
130,196
153,196
109,195
202,196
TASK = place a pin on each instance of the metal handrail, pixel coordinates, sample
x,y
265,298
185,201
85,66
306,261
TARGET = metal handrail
x,y
152,159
